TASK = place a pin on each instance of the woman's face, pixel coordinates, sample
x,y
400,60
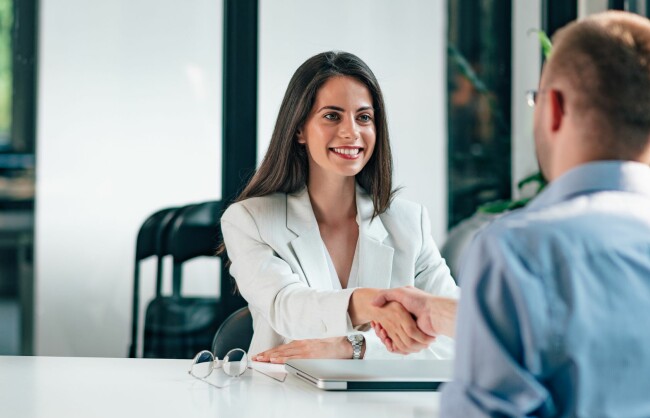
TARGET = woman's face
x,y
339,132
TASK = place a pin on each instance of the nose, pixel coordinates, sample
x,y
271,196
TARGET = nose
x,y
349,128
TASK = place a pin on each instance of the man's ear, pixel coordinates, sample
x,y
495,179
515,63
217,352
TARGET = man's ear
x,y
556,102
300,135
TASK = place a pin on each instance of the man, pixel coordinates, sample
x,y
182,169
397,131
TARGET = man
x,y
555,296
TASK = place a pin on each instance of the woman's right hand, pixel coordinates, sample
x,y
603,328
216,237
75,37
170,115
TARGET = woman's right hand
x,y
398,323
400,326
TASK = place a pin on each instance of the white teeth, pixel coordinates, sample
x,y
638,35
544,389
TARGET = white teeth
x,y
347,151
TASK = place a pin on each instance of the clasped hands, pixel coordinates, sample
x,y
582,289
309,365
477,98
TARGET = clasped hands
x,y
432,316
406,319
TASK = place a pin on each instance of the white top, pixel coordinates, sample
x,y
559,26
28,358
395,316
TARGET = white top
x,y
44,387
353,279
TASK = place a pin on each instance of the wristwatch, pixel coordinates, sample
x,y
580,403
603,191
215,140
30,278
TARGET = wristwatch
x,y
357,344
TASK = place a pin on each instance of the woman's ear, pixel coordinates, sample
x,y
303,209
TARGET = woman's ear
x,y
300,136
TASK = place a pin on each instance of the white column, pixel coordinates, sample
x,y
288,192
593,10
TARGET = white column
x,y
526,67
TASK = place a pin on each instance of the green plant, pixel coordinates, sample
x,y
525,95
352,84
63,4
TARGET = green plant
x,y
500,206
544,41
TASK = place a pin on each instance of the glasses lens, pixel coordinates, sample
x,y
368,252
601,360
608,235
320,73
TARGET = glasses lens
x,y
531,97
202,364
235,362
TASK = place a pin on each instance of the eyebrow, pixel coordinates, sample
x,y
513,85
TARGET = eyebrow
x,y
340,109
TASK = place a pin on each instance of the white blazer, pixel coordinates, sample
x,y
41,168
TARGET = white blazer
x,y
280,265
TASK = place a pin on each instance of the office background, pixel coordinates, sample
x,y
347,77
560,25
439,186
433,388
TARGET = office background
x,y
128,119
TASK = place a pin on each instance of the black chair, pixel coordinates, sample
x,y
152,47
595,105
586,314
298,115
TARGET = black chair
x,y
148,245
194,233
197,232
235,332
177,326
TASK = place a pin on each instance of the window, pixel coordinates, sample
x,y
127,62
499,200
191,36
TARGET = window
x,y
6,19
17,128
479,88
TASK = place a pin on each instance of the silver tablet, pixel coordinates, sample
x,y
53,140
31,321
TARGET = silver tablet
x,y
373,375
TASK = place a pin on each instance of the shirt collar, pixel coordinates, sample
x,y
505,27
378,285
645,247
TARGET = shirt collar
x,y
627,176
301,218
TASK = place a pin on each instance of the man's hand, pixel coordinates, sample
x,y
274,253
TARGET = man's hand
x,y
434,315
337,347
383,336
398,322
400,327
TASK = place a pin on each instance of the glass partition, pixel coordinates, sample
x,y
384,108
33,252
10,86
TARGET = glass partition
x,y
479,89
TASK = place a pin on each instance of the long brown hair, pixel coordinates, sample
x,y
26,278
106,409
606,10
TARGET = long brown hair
x,y
285,167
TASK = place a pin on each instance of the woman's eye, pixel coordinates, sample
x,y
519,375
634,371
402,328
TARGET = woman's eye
x,y
365,118
331,116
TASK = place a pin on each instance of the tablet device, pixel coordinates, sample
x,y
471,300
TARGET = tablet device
x,y
373,375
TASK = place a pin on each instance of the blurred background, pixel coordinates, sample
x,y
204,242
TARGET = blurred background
x,y
110,111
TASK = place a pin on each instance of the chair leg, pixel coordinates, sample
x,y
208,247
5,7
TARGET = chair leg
x,y
177,273
159,275
135,311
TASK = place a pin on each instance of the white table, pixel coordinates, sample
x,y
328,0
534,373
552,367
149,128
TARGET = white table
x,y
100,387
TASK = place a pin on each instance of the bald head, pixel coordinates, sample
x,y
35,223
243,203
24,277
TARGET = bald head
x,y
605,60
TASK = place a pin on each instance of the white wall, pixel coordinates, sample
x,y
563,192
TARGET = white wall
x,y
129,121
404,43
526,67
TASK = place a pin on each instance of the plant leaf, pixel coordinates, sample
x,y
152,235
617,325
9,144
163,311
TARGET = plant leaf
x,y
544,41
547,46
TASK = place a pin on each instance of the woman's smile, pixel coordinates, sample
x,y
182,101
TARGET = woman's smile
x,y
348,153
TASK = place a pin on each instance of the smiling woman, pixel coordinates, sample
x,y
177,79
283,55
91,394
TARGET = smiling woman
x,y
317,230
339,132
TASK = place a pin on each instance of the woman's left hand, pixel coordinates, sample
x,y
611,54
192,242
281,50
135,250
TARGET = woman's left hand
x,y
332,348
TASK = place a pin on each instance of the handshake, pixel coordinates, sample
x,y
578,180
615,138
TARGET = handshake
x,y
406,319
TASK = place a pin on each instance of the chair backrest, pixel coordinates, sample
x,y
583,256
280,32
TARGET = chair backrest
x,y
148,236
194,233
459,239
235,332
164,242
147,245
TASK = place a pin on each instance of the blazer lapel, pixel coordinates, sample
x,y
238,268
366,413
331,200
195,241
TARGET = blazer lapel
x,y
375,258
308,246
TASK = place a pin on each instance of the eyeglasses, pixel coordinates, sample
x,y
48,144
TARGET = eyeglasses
x,y
234,364
531,97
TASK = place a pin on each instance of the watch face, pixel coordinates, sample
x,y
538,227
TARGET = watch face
x,y
357,338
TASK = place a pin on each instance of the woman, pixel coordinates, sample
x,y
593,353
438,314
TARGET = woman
x,y
317,230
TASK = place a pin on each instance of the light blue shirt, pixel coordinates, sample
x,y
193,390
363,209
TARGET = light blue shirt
x,y
553,317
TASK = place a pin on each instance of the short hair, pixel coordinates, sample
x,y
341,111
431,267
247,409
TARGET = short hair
x,y
606,58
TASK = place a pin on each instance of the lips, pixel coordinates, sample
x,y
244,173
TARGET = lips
x,y
349,153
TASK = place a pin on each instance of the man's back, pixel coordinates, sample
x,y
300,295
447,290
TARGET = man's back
x,y
557,297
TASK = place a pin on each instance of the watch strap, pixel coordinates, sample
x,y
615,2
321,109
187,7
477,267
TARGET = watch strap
x,y
357,345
